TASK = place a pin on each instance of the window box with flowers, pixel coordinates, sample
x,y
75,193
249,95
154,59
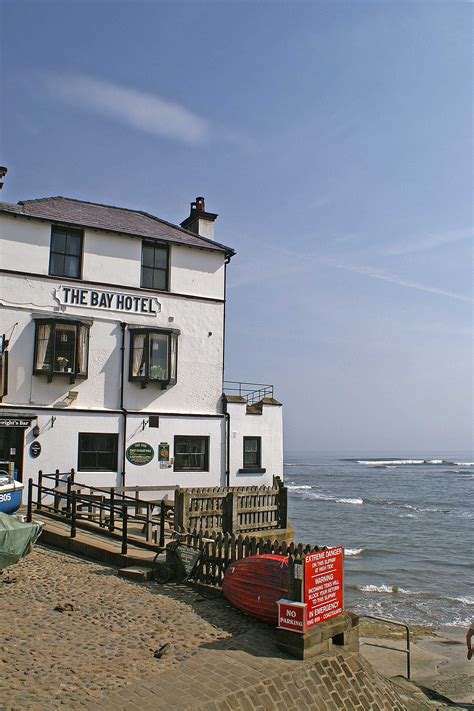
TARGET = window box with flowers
x,y
61,348
153,356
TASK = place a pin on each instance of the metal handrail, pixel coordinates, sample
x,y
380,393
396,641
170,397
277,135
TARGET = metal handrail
x,y
115,508
251,394
406,651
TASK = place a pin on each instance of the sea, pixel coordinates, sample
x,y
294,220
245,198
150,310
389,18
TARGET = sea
x,y
406,524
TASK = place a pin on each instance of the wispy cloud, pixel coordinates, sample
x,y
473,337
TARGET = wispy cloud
x,y
394,279
283,264
427,241
141,110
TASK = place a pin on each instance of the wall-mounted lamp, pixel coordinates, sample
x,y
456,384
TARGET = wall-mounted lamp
x,y
36,431
53,420
144,424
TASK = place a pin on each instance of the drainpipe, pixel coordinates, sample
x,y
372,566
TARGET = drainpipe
x,y
123,326
227,452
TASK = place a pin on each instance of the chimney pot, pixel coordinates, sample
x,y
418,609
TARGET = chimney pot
x,y
3,172
200,205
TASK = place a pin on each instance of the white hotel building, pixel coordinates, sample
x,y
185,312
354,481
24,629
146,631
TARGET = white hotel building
x,y
112,355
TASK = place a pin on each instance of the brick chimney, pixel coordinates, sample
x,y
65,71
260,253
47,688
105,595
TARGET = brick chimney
x,y
200,221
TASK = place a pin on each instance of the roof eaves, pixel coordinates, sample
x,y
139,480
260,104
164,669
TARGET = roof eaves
x,y
228,250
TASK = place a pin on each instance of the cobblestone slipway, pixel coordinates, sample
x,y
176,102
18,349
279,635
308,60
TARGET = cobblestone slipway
x,y
99,655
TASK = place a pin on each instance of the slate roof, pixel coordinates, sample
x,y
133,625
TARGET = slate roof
x,y
62,210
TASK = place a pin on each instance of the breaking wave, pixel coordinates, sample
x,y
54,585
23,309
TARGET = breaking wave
x,y
353,551
337,500
298,487
409,462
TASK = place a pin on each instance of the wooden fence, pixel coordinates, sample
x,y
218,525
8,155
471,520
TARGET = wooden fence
x,y
221,549
234,510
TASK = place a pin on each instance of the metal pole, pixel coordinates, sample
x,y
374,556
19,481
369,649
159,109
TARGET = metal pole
x,y
68,496
56,495
29,508
124,529
73,515
162,524
40,483
408,654
112,509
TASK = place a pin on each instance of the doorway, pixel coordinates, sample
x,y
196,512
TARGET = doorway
x,y
11,450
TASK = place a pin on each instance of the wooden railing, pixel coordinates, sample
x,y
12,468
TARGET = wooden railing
x,y
234,510
111,509
222,549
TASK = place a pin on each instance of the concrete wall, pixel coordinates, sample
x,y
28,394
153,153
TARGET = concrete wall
x,y
268,426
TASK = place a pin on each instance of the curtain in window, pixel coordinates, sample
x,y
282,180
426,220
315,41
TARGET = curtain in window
x,y
83,343
138,357
43,334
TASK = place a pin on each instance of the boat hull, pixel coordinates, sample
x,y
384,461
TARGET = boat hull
x,y
256,583
10,497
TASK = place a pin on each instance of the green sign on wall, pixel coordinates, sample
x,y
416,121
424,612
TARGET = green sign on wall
x,y
140,453
163,452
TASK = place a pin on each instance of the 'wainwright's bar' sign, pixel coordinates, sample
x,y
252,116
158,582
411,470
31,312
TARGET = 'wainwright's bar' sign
x,y
107,300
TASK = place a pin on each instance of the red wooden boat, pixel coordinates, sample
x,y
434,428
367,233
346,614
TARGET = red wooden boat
x,y
254,585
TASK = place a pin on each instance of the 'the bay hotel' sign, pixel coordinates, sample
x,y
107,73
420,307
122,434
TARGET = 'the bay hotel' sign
x,y
107,300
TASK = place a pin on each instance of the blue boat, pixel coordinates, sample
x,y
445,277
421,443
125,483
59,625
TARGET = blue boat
x,y
11,493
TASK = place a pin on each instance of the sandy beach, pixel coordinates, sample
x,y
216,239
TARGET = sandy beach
x,y
107,636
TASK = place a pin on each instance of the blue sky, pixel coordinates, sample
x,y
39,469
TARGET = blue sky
x,y
334,141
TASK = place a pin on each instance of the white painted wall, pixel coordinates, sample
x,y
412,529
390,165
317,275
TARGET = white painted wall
x,y
109,258
59,448
268,426
24,244
196,271
199,374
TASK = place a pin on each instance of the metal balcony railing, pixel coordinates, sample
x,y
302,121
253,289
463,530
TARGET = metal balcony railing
x,y
252,392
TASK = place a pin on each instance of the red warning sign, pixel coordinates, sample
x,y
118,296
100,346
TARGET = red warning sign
x,y
323,585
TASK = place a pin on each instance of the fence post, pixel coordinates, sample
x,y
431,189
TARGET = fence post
x,y
73,515
282,506
29,507
112,509
124,529
162,523
230,518
68,496
295,582
40,484
73,474
56,494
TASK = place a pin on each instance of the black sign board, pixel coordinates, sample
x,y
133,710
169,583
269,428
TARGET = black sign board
x,y
10,422
35,449
186,558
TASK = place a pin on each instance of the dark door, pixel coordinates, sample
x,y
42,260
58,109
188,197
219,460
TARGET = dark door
x,y
11,450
